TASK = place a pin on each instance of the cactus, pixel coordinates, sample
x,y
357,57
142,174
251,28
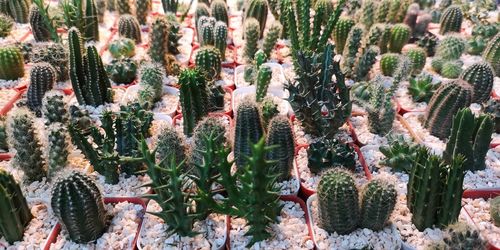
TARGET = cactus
x,y
269,110
471,138
23,138
170,142
170,6
158,42
58,148
219,11
461,236
173,32
351,49
122,47
80,119
451,47
252,38
280,134
209,126
6,24
374,35
411,17
422,25
495,211
429,43
128,27
421,87
451,69
54,108
257,9
365,63
367,13
207,34
417,58
38,26
142,9
42,79
220,38
208,61
88,76
389,63
393,12
248,130
480,76
78,204
11,63
19,10
451,20
123,7
385,38
122,71
492,107
4,145
270,39
445,102
437,64
382,11
378,200
399,154
338,208
262,82
194,98
14,212
202,10
492,54
329,153
400,34
91,21
341,32
55,54
151,84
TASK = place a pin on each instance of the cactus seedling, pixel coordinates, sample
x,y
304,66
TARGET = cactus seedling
x,y
341,32
257,9
6,24
377,203
389,63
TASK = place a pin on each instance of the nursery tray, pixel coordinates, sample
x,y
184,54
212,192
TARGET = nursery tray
x,y
107,200
5,109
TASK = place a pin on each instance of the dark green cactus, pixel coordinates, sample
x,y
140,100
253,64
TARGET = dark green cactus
x,y
158,42
208,61
480,76
280,134
55,54
54,108
325,7
38,25
257,9
202,10
451,47
220,38
400,34
341,32
330,153
91,21
270,39
128,27
171,142
123,7
248,130
42,79
207,34
58,148
23,138
351,49
365,63
194,98
417,58
78,204
14,211
492,54
338,207
378,200
209,126
142,9
88,76
219,11
492,107
201,31
122,71
451,20
388,63
399,154
6,24
451,69
80,118
19,10
173,32
421,87
11,63
251,37
262,82
445,102
429,43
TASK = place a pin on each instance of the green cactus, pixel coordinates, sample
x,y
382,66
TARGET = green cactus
x,y
194,98
417,58
480,76
58,148
158,43
88,76
54,108
392,14
122,71
492,54
38,26
338,207
270,39
209,126
257,9
219,11
400,34
42,79
55,54
220,38
429,43
495,211
262,82
389,63
151,84
421,87
122,47
351,48
202,10
451,20
374,35
399,154
382,11
142,9
492,107
248,130
4,145
123,7
269,110
461,236
173,32
341,32
208,61
251,37
451,47
91,21
403,9
6,24
365,63
78,204
367,13
128,27
451,69
14,211
378,200
19,10
445,102
280,134
11,63
385,39
171,142
330,153
207,34
437,64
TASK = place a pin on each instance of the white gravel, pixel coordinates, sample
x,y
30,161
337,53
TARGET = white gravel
x,y
479,210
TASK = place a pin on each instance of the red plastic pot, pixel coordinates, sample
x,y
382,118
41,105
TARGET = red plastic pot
x,y
5,156
402,110
108,200
5,109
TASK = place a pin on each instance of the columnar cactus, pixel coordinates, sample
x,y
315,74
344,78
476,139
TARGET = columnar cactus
x,y
374,35
389,63
23,138
262,82
54,108
55,54
378,200
219,11
38,26
257,9
158,42
341,32
450,48
170,143
128,27
338,202
208,61
385,38
447,100
207,34
142,9
220,38
194,98
19,10
42,79
123,7
451,20
280,134
417,58
492,54
382,11
78,204
480,76
248,130
365,63
58,148
351,49
151,84
91,21
330,153
252,37
11,63
367,13
270,39
209,126
15,214
400,34
202,10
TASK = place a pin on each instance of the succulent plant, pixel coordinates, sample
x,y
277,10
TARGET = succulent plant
x,y
451,69
480,76
399,154
248,130
252,37
122,47
220,38
194,97
202,10
208,60
4,145
382,11
282,147
208,127
417,58
58,148
38,25
450,47
6,24
151,84
461,236
421,87
262,82
257,9
128,27
388,63
428,42
91,20
341,32
42,79
142,9
158,42
400,34
123,7
351,49
270,38
19,10
122,71
219,11
451,20
14,212
78,204
54,108
374,36
495,211
170,142
269,109
378,199
330,153
492,53
367,13
492,107
365,62
11,63
55,54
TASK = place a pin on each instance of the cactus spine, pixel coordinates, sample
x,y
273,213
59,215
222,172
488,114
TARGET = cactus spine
x,y
280,134
451,20
143,7
400,34
492,54
208,61
11,63
58,148
54,108
158,42
262,82
341,32
248,130
194,98
219,11
42,79
257,9
38,27
417,58
480,76
377,203
128,27
77,203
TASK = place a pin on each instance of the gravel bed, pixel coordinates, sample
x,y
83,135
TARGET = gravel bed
x,y
479,210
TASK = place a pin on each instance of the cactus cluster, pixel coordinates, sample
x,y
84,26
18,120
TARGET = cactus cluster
x,y
11,63
17,9
158,42
330,153
42,79
447,56
54,54
170,143
128,27
214,33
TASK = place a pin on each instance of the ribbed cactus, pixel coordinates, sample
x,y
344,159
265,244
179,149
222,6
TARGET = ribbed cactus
x,y
374,35
38,26
480,76
23,138
11,63
208,61
220,38
338,207
42,79
382,11
170,6
91,21
389,63
451,20
122,71
202,10
123,7
194,98
492,54
262,82
280,135
270,39
251,30
400,34
351,48
209,126
158,41
428,42
492,107
451,69
55,54
323,6
54,108
207,34
19,10
6,24
142,9
471,138
248,130
15,214
367,13
447,100
330,153
341,32
269,109
88,76
171,143
451,47
151,84
257,9
58,148
219,11
78,204
128,27
385,38
417,58
365,63
378,200
4,144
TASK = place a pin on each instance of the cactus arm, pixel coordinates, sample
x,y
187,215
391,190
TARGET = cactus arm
x,y
292,26
77,72
318,18
481,141
452,192
461,134
331,24
96,96
305,6
91,21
